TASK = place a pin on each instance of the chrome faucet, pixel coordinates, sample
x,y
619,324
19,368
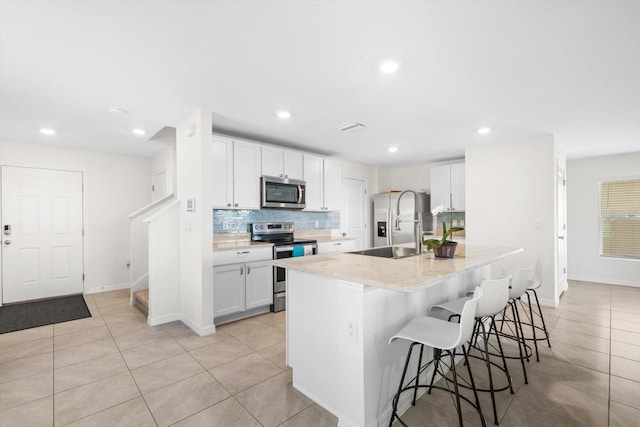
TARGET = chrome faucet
x,y
417,219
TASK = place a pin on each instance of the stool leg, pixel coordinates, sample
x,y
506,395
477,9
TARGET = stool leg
x,y
504,360
544,326
488,362
415,390
397,396
473,386
437,353
519,325
514,310
455,386
533,326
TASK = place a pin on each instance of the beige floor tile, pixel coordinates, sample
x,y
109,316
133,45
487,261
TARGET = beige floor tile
x,y
78,325
128,327
131,315
625,337
552,371
522,414
626,306
262,338
27,366
193,341
625,391
38,413
177,328
88,371
626,326
24,390
77,403
144,336
272,318
245,372
184,398
166,372
146,354
623,316
122,307
628,351
277,354
133,413
25,349
26,335
623,416
274,401
241,327
625,368
228,413
577,355
91,350
80,337
106,299
588,342
583,309
599,318
582,328
314,415
219,353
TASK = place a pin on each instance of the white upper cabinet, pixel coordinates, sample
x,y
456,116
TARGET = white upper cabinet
x,y
281,163
322,177
448,187
236,173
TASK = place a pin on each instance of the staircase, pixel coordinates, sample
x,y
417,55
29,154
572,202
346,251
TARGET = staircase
x,y
141,301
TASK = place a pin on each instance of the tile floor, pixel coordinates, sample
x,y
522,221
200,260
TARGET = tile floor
x,y
113,369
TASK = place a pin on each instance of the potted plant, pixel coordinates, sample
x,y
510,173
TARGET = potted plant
x,y
445,247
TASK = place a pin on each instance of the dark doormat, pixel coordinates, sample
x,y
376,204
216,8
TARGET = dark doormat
x,y
39,313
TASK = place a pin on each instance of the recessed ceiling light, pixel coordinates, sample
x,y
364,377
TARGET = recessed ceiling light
x,y
283,114
392,149
484,130
47,131
115,109
139,132
389,66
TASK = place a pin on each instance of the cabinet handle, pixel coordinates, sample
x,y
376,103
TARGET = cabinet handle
x,y
228,205
280,175
243,252
248,269
241,271
236,205
337,244
286,176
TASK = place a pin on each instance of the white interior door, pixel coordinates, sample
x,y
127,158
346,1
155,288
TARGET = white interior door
x,y
159,186
353,211
562,231
42,240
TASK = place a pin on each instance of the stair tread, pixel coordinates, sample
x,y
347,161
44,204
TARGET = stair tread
x,y
142,296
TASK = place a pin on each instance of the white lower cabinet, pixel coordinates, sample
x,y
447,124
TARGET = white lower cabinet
x,y
241,287
336,246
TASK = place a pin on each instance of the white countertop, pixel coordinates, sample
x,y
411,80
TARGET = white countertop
x,y
403,275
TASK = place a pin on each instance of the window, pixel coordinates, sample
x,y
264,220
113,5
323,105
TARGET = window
x,y
620,218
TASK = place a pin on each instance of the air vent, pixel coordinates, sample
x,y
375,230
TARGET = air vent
x,y
352,126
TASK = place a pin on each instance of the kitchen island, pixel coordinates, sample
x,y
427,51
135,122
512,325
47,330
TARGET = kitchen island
x,y
343,308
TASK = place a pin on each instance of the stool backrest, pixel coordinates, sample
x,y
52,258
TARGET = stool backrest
x,y
495,295
467,318
520,281
536,281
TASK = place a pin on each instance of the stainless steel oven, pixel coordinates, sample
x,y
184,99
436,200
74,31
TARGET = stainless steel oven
x,y
284,246
283,193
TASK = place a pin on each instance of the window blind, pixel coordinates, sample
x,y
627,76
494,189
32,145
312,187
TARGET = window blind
x,y
620,218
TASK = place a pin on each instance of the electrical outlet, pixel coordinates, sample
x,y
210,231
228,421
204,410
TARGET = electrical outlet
x,y
351,327
225,225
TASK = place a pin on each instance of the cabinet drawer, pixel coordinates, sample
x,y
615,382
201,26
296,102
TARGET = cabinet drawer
x,y
235,256
336,246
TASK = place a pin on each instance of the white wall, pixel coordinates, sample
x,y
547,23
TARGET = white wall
x,y
114,186
193,154
166,161
585,262
510,201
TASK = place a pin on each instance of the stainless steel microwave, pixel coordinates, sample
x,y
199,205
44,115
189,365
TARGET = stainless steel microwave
x,y
283,193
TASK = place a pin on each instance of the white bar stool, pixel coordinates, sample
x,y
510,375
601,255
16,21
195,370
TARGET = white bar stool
x,y
444,337
532,285
495,296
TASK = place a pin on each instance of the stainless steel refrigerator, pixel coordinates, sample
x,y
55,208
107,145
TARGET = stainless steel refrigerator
x,y
384,215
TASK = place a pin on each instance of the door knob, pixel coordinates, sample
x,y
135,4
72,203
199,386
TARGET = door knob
x,y
7,242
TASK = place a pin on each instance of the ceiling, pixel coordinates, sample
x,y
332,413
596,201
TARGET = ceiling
x,y
525,69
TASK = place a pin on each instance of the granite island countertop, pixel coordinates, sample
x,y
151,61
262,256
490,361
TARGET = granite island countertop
x,y
403,275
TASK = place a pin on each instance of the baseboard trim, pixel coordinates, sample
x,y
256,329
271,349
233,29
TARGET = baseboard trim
x,y
161,320
107,288
606,281
548,303
202,331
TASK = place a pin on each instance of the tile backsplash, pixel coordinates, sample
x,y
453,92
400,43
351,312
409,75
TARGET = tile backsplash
x,y
237,221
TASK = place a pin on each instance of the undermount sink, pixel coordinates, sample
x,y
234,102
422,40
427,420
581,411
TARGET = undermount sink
x,y
394,252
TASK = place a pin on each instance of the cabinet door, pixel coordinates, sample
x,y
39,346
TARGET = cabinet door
x,y
313,178
337,246
228,289
222,171
457,187
332,180
259,284
292,164
441,187
272,159
246,175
